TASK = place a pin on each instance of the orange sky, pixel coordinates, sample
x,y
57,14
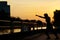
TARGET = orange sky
x,y
27,9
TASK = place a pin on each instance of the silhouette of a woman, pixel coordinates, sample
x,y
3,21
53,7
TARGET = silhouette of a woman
x,y
49,27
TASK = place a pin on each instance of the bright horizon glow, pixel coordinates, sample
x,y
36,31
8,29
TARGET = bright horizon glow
x,y
27,9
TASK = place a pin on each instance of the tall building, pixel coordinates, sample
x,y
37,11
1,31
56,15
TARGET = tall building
x,y
57,18
4,10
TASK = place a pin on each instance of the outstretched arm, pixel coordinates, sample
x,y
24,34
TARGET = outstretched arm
x,y
40,16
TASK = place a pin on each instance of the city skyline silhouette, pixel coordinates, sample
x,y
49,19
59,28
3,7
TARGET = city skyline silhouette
x,y
18,8
27,27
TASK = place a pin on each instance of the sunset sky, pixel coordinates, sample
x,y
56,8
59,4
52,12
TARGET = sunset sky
x,y
27,9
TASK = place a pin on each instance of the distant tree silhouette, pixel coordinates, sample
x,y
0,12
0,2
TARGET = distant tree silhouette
x,y
11,24
26,20
39,23
44,24
32,25
27,24
18,19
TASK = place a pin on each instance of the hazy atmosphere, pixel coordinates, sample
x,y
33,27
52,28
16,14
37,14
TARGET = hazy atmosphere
x,y
27,9
29,19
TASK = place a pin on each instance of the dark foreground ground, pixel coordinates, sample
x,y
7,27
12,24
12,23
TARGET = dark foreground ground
x,y
32,35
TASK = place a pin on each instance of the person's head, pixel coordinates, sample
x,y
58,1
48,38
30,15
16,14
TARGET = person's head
x,y
46,15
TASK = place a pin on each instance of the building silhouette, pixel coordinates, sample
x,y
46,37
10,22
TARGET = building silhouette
x,y
57,18
4,10
4,15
